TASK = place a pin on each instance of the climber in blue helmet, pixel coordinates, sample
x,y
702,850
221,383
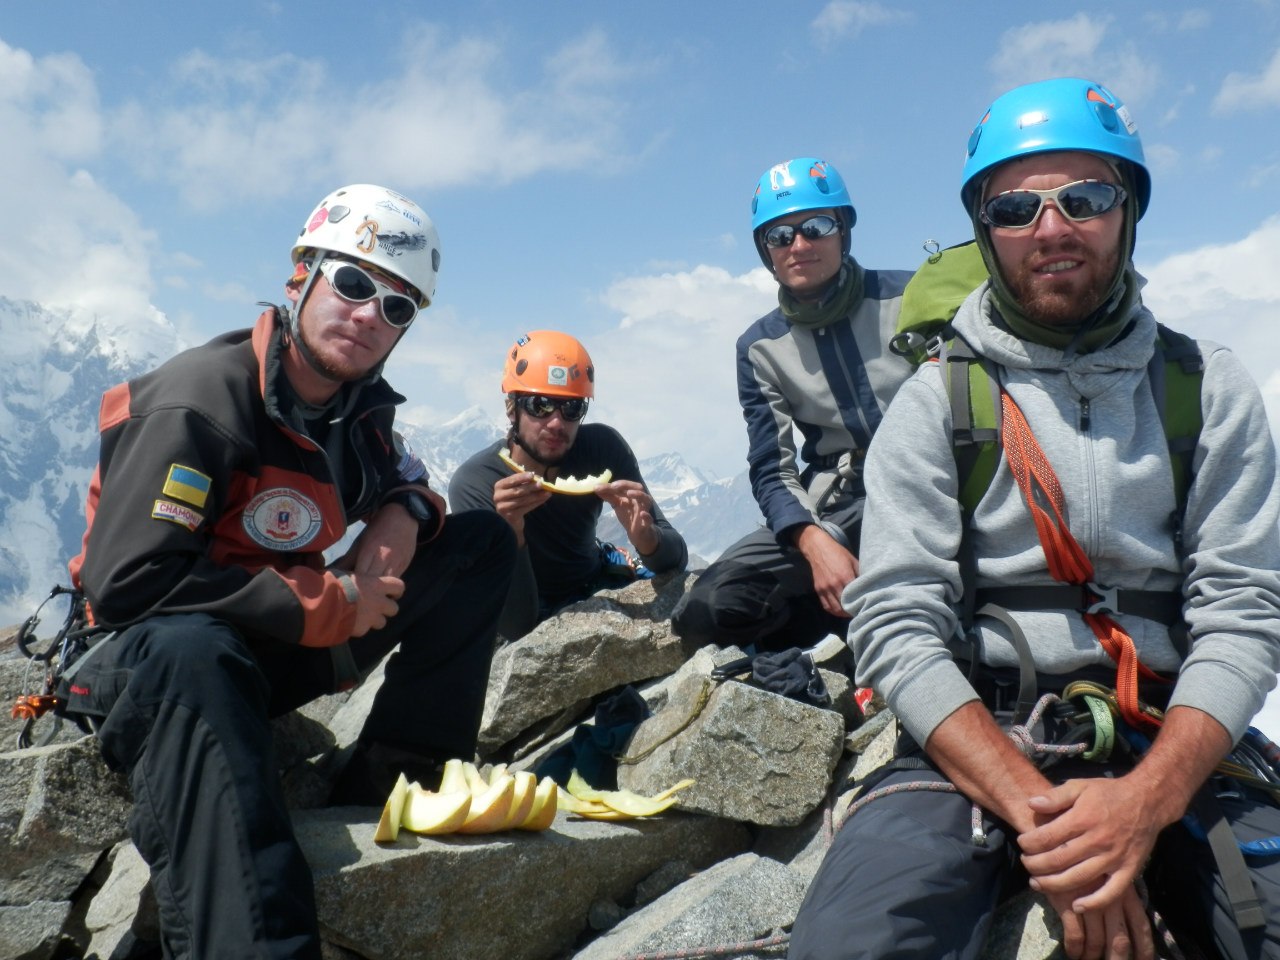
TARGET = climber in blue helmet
x,y
817,364
1068,594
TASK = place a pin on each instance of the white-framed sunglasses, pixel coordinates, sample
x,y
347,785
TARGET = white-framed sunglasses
x,y
356,285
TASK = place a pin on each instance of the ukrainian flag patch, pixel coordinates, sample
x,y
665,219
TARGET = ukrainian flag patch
x,y
188,485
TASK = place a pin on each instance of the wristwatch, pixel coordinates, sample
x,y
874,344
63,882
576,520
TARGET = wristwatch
x,y
419,507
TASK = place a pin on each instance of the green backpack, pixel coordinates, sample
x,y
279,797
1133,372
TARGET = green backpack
x,y
924,333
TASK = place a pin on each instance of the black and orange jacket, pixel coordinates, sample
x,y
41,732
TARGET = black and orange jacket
x,y
207,499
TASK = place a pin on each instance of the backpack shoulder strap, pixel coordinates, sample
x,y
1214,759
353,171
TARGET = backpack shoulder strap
x,y
1176,373
973,385
974,388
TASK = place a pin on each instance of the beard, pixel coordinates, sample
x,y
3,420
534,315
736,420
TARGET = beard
x,y
537,450
1064,303
334,367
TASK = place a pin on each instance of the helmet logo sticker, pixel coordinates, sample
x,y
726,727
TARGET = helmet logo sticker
x,y
557,376
318,219
367,242
401,242
1031,118
388,205
780,176
281,519
1129,123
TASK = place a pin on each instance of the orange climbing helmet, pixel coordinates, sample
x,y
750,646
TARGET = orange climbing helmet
x,y
550,363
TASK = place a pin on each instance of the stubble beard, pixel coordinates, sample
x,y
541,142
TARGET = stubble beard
x,y
339,372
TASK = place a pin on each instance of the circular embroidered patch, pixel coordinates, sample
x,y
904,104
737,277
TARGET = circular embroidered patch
x,y
281,519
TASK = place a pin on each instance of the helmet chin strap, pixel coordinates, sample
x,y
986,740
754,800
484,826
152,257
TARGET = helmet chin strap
x,y
294,334
294,329
513,440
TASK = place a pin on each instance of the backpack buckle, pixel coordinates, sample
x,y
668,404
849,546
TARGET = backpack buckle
x,y
1103,599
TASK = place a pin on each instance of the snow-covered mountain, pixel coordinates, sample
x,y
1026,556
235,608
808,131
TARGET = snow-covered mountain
x,y
54,367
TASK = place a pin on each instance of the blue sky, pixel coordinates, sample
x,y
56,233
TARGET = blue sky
x,y
590,166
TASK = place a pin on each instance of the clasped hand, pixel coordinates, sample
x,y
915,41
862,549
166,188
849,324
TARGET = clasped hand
x,y
1092,839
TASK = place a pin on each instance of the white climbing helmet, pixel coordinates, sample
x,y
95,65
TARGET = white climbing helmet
x,y
380,227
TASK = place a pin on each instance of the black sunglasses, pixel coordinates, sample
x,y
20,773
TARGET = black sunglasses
x,y
784,234
1079,200
572,409
355,285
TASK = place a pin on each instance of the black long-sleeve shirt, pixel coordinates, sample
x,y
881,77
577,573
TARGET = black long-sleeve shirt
x,y
560,558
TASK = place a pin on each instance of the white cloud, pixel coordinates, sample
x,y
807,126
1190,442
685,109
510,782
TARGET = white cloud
x,y
1161,157
846,19
69,242
252,129
1193,21
445,364
1241,91
1188,21
1228,293
1074,47
666,372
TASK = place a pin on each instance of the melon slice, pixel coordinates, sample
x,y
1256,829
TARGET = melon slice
x,y
543,813
389,824
570,485
435,813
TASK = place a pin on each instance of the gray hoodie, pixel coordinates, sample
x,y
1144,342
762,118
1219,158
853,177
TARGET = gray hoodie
x,y
1118,486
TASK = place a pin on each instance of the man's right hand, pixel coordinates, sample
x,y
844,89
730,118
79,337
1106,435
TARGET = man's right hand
x,y
834,567
1119,931
376,603
515,496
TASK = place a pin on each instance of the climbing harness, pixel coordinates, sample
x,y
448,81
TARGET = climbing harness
x,y
1067,560
54,657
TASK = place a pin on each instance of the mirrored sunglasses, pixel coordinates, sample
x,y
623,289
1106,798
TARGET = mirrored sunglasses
x,y
572,409
784,234
356,285
1080,200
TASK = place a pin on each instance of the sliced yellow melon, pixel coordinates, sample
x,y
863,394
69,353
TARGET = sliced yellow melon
x,y
435,813
579,787
671,791
521,799
453,778
489,810
389,823
586,801
571,485
584,808
475,780
634,805
545,801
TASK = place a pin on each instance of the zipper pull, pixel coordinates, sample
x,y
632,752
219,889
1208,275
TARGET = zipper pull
x,y
1084,415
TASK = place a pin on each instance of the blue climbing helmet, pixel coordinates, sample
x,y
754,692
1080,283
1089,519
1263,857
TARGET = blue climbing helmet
x,y
805,183
1062,114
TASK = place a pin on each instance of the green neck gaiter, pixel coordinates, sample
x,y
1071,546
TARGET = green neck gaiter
x,y
1097,330
827,309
